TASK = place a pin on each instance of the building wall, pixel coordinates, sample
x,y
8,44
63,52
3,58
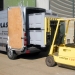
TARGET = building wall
x,y
42,4
64,8
8,3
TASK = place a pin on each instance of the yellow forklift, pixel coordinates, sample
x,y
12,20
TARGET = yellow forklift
x,y
60,53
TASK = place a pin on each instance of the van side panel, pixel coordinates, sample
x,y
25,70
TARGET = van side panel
x,y
3,29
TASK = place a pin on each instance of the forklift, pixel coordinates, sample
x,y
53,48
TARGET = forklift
x,y
60,53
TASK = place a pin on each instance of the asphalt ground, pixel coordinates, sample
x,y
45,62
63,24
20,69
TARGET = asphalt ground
x,y
30,65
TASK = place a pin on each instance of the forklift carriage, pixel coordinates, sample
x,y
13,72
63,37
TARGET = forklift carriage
x,y
60,52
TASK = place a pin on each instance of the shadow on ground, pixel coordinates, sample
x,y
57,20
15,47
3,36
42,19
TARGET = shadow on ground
x,y
29,56
43,53
3,52
33,56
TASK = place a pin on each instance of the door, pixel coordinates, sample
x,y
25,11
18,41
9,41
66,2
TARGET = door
x,y
15,28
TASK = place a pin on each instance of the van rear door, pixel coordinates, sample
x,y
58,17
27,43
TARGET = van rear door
x,y
15,28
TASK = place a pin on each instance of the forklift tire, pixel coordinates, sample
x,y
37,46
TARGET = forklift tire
x,y
50,61
11,54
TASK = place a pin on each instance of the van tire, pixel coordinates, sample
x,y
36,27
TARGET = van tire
x,y
11,54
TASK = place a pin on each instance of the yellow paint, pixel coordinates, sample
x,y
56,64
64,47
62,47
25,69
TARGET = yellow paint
x,y
66,55
66,51
48,25
51,50
45,30
65,60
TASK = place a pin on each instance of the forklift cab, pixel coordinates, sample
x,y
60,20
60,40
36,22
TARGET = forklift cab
x,y
60,32
61,52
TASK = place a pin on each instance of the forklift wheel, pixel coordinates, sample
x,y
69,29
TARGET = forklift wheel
x,y
50,61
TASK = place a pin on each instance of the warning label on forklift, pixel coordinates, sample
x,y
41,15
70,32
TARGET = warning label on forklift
x,y
72,59
67,58
64,58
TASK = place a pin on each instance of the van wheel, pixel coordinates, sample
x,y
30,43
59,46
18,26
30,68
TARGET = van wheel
x,y
11,54
50,61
